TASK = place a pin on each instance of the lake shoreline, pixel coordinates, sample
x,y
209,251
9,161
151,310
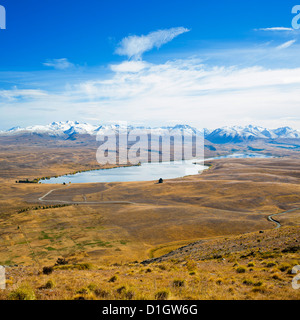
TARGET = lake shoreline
x,y
144,171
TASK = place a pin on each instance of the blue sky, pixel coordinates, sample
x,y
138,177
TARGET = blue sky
x,y
207,64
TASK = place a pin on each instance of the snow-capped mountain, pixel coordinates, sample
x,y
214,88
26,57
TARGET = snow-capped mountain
x,y
287,132
54,129
237,134
227,134
71,128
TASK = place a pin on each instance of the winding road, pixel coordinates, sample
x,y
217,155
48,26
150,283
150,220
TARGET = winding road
x,y
82,202
278,225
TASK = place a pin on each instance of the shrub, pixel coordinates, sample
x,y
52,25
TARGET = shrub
x,y
61,261
121,289
48,285
178,283
248,282
162,295
125,293
22,293
113,279
240,269
101,293
128,295
47,270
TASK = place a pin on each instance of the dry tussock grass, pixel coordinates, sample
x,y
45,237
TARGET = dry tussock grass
x,y
266,275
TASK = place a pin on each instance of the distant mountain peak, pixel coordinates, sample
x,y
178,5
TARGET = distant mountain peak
x,y
226,134
236,134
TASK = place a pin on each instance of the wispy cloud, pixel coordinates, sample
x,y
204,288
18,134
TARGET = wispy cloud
x,y
16,94
194,90
286,45
275,29
134,46
129,66
60,64
160,92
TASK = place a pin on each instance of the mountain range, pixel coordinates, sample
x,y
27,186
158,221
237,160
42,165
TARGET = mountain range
x,y
234,134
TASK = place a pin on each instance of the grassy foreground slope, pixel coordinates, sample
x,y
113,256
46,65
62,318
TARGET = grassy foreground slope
x,y
250,266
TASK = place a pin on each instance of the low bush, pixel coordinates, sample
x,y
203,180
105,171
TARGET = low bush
x,y
24,292
113,279
47,270
240,269
125,293
101,293
248,282
50,284
162,295
178,283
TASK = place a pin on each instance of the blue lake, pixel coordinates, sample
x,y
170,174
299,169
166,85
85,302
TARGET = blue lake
x,y
145,172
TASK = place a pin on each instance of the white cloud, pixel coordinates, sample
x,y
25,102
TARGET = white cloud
x,y
275,29
196,94
129,66
286,44
134,46
60,64
187,78
17,94
187,89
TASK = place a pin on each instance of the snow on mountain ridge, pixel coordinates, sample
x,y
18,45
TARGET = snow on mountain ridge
x,y
239,134
221,135
71,127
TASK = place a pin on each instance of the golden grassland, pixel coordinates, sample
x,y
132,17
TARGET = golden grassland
x,y
248,272
230,200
